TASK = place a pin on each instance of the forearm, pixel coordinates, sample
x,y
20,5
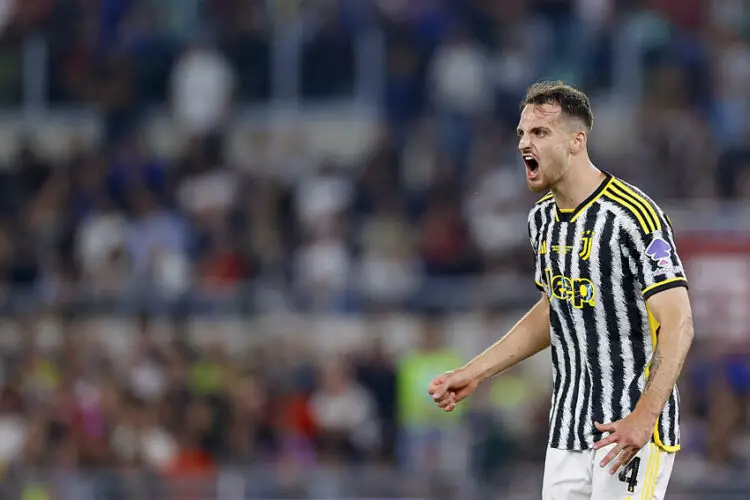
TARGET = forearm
x,y
529,336
666,366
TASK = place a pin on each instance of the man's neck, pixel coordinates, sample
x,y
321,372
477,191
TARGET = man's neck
x,y
577,185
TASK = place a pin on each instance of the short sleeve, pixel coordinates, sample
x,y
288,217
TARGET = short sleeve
x,y
653,254
533,240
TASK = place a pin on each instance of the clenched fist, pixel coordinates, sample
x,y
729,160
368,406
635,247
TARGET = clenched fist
x,y
451,388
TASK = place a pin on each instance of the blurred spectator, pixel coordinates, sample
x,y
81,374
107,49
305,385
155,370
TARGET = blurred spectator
x,y
117,97
139,439
323,267
345,415
100,247
376,373
12,427
250,437
205,72
323,259
321,197
461,90
389,268
446,247
404,92
146,367
461,85
428,438
158,244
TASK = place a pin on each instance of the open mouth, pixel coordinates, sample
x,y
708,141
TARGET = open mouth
x,y
531,163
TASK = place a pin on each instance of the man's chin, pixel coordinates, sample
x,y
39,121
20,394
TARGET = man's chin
x,y
537,185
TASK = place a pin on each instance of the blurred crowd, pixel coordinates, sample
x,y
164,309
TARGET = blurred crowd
x,y
435,201
144,409
439,193
178,411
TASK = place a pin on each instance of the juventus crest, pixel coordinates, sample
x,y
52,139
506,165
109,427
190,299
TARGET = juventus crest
x,y
585,252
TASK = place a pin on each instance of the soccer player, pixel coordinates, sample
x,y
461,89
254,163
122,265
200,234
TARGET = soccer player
x,y
614,308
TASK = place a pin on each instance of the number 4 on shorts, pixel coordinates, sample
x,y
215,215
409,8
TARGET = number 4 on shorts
x,y
629,474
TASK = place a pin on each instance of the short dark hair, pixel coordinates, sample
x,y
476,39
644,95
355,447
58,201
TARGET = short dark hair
x,y
573,102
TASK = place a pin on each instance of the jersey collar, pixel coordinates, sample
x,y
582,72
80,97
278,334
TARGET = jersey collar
x,y
571,215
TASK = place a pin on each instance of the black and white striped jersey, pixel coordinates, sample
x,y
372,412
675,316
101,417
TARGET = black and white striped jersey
x,y
598,264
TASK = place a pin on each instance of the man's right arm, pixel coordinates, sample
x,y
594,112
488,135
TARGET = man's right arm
x,y
527,337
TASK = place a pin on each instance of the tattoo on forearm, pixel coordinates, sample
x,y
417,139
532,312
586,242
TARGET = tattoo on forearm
x,y
655,365
676,348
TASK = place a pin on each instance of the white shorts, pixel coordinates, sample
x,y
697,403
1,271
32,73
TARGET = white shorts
x,y
576,475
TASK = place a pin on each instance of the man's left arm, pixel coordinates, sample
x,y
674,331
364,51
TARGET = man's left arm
x,y
663,285
671,308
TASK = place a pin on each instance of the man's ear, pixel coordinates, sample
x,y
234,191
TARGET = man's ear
x,y
578,142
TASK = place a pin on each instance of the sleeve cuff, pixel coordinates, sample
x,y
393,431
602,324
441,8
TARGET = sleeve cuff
x,y
664,285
